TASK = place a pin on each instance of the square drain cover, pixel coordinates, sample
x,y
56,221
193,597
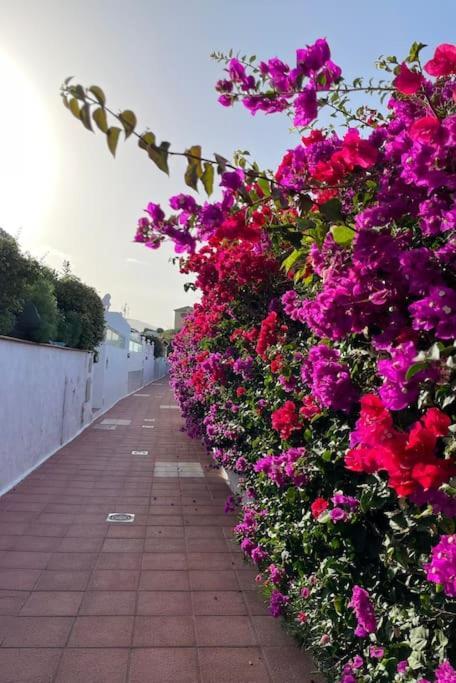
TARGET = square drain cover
x,y
140,452
122,517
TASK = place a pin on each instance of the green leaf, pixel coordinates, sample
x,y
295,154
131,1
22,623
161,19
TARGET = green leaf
x,y
194,169
288,263
112,138
128,121
159,156
414,369
414,54
146,139
342,234
85,116
331,209
265,186
208,178
73,105
221,163
98,94
99,116
78,92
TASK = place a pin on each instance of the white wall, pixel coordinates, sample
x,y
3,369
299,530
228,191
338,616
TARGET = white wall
x,y
45,400
110,376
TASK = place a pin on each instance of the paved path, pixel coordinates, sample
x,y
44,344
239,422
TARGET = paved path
x,y
166,598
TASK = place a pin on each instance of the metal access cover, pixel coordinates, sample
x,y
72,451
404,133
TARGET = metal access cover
x,y
112,421
140,452
122,517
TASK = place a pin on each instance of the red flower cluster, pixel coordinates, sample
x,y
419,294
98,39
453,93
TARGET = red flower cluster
x,y
355,152
285,420
268,334
309,408
318,506
408,458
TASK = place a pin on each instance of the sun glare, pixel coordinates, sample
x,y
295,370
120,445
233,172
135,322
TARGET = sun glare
x,y
27,155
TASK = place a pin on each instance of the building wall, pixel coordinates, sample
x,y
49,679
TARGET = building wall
x,y
179,316
110,381
45,400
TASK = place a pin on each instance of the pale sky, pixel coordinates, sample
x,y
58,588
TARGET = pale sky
x,y
60,187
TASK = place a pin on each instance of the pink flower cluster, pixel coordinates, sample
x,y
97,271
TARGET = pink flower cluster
x,y
442,567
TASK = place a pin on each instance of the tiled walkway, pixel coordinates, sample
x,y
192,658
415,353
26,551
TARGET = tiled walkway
x,y
165,598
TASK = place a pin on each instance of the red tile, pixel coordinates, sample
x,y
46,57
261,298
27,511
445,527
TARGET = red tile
x,y
79,545
256,603
51,580
43,544
218,603
127,531
17,529
52,603
203,532
164,665
24,560
93,666
165,545
72,561
229,664
164,603
246,578
18,579
291,664
11,602
270,632
108,603
101,631
165,520
164,532
207,545
221,579
114,579
175,561
87,531
24,664
210,561
224,631
164,580
123,545
37,529
163,632
37,631
119,561
7,542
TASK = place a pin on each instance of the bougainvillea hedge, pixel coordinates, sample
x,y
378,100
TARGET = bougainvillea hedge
x,y
320,363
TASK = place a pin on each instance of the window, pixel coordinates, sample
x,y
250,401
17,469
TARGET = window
x,y
134,347
113,338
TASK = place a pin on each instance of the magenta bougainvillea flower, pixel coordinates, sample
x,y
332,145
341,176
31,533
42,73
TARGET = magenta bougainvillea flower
x,y
442,566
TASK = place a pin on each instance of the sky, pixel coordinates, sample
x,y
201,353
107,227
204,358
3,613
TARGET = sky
x,y
61,191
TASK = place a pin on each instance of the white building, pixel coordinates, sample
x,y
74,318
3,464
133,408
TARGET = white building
x,y
179,316
125,362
